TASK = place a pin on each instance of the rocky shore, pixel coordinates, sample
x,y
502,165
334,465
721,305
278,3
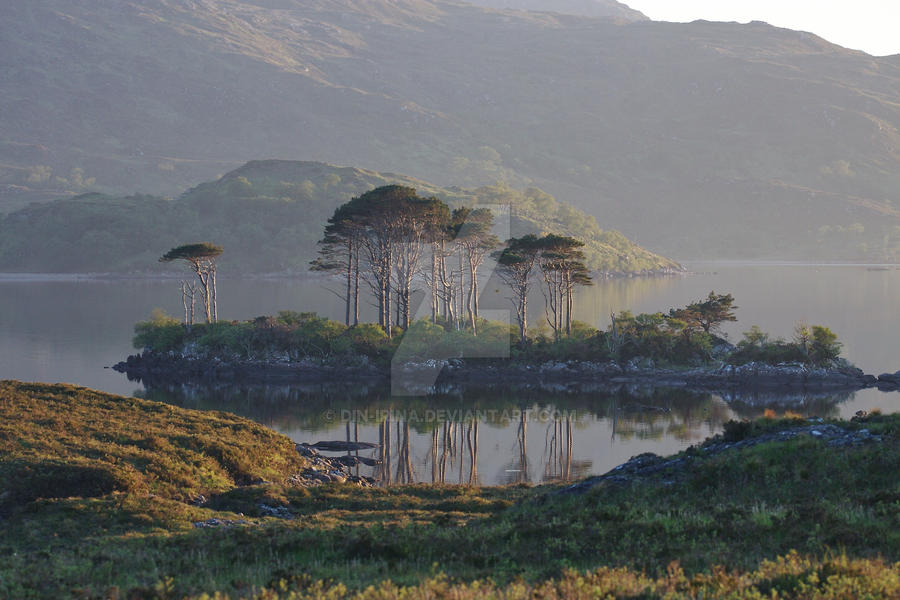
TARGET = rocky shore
x,y
160,369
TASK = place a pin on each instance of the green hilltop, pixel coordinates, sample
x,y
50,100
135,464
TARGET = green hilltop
x,y
269,215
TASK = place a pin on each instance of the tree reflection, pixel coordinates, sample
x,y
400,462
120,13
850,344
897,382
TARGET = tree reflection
x,y
442,434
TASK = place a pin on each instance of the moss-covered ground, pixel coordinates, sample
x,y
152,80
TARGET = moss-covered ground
x,y
96,497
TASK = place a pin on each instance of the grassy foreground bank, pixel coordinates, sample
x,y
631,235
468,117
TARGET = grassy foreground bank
x,y
95,495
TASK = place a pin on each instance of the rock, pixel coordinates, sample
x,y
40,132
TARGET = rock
x,y
894,377
280,512
221,523
341,446
888,381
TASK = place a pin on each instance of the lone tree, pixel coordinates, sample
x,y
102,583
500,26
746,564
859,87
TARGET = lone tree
x,y
707,314
202,259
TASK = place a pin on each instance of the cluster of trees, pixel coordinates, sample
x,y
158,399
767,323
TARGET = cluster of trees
x,y
560,261
682,335
389,238
816,345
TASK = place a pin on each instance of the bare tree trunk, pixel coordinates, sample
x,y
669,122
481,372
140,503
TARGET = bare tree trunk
x,y
356,291
387,295
434,284
193,303
462,285
188,293
204,280
406,309
214,300
471,298
381,322
475,290
349,283
523,318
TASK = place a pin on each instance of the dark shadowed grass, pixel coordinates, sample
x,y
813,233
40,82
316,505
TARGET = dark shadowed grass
x,y
831,513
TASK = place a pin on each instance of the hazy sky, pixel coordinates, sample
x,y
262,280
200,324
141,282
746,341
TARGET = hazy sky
x,y
869,25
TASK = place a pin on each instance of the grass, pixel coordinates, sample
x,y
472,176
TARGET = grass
x,y
798,519
63,441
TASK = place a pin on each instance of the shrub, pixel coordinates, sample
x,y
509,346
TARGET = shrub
x,y
816,345
368,339
162,333
824,346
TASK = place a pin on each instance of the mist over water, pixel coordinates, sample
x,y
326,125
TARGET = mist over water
x,y
70,330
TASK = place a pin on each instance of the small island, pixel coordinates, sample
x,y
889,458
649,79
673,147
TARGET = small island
x,y
677,349
390,242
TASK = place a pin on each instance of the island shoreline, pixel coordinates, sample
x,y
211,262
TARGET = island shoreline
x,y
156,368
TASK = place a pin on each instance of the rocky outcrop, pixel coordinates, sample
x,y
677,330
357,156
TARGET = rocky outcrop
x,y
157,367
325,469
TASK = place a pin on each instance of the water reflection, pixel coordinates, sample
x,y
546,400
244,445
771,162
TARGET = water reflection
x,y
56,330
494,436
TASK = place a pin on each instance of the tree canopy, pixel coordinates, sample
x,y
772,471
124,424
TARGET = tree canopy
x,y
192,252
708,314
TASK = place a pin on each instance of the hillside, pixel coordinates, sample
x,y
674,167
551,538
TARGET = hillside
x,y
269,216
698,140
60,441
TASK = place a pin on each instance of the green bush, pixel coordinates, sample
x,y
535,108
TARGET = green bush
x,y
824,347
369,339
162,333
812,346
658,337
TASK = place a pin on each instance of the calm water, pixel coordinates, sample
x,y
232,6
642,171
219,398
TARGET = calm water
x,y
71,330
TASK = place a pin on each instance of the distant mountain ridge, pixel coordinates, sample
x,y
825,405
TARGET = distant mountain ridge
x,y
588,8
698,140
269,215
